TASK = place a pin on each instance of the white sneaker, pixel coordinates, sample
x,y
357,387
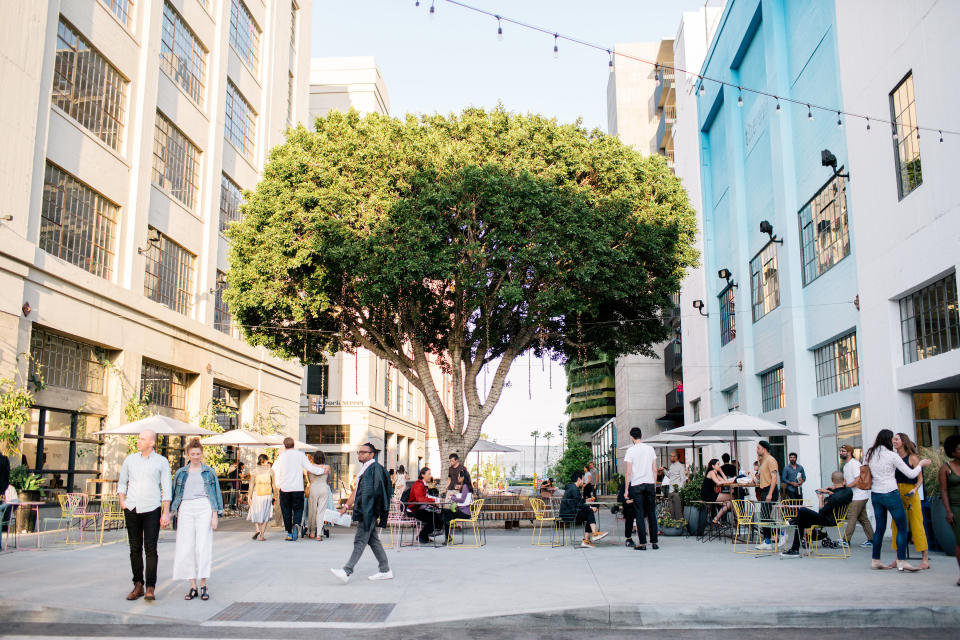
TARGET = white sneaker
x,y
764,546
340,575
382,576
600,535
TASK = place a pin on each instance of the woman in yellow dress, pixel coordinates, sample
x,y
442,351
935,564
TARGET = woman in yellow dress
x,y
910,496
260,496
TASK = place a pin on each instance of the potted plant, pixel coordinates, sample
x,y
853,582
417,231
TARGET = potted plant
x,y
932,503
671,527
613,484
28,490
689,495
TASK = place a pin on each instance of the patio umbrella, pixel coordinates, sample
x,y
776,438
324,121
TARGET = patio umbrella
x,y
487,446
161,425
237,438
275,441
736,424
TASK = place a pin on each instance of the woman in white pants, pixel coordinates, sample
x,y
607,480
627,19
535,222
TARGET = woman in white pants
x,y
197,501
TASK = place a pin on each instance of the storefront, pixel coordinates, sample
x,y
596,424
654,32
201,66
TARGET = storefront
x,y
58,446
936,416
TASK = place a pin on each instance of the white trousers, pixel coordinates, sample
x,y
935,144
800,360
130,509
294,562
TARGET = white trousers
x,y
194,540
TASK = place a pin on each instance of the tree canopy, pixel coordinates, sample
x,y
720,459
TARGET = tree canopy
x,y
461,240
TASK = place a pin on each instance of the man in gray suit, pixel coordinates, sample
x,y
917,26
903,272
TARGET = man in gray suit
x,y
370,501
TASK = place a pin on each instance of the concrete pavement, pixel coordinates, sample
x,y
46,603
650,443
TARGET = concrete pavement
x,y
508,584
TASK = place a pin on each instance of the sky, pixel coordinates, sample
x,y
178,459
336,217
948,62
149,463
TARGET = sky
x,y
453,61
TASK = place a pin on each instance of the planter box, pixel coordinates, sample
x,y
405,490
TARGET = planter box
x,y
696,522
672,531
27,518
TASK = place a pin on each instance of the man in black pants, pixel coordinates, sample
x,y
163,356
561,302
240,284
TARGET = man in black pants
x,y
573,508
641,478
837,497
629,514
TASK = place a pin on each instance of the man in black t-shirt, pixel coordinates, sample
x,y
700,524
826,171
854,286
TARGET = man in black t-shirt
x,y
833,500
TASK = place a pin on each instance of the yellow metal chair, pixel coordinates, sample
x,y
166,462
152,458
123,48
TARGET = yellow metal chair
x,y
73,506
474,523
815,550
540,518
110,511
746,513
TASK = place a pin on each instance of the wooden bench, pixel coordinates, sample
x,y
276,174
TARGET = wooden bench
x,y
508,508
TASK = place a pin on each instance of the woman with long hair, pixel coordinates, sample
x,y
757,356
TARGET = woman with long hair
x,y
909,489
461,500
319,498
884,463
260,496
197,501
716,489
949,478
400,481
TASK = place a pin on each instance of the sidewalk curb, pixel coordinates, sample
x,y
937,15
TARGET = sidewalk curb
x,y
20,611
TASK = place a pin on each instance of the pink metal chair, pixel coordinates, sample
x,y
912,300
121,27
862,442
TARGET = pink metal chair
x,y
397,519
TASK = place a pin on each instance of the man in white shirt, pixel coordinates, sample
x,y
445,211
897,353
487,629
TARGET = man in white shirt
x,y
144,491
288,471
858,508
641,475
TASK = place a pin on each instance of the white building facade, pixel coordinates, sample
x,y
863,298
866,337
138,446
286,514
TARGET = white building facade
x,y
135,128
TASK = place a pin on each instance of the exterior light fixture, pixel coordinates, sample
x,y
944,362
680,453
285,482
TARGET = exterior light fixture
x,y
153,238
827,159
767,228
725,274
698,305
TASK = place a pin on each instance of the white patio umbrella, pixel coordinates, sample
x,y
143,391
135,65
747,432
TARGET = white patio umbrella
x,y
487,446
161,425
734,425
275,441
236,438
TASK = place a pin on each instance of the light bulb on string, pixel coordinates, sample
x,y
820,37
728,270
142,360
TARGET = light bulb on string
x,y
778,106
499,30
433,10
702,88
417,3
918,133
941,135
809,113
610,64
556,49
894,131
839,121
656,73
739,97
868,124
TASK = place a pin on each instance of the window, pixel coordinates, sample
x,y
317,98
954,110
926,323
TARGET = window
x,y
230,199
929,321
163,386
169,274
244,34
836,365
176,162
824,236
837,428
318,380
328,433
764,281
87,87
66,363
771,386
409,402
695,409
61,448
728,317
226,402
906,137
181,54
221,312
399,394
123,9
77,224
732,398
240,128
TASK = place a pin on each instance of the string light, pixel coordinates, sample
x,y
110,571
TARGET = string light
x,y
918,133
739,97
610,64
656,73
657,67
839,121
432,9
941,135
499,30
894,131
417,3
778,106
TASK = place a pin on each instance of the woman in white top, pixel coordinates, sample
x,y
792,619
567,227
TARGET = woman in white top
x,y
884,464
399,481
319,498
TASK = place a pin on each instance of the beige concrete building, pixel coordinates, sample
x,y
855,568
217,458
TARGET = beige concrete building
x,y
345,83
132,128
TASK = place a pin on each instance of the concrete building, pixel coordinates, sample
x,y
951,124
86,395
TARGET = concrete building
x,y
132,129
347,83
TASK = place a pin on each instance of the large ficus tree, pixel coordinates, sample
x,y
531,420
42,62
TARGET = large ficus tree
x,y
460,240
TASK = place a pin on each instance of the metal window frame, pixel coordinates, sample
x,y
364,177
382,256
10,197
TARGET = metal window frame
x,y
906,136
769,381
837,365
168,275
65,362
245,35
231,197
930,320
240,121
176,162
728,319
818,257
764,289
173,383
180,47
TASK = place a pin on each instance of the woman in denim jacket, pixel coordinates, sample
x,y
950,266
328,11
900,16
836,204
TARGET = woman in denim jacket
x,y
197,501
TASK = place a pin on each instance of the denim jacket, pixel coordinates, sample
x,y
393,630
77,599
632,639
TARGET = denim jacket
x,y
210,483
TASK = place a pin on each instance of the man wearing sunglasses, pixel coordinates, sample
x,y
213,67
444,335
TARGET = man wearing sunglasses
x,y
370,502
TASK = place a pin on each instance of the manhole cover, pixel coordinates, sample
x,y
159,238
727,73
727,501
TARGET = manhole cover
x,y
304,612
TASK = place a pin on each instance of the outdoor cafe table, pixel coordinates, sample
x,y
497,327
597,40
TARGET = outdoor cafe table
x,y
441,504
13,522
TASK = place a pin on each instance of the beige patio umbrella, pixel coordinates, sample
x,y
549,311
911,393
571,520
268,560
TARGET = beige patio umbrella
x,y
734,425
161,425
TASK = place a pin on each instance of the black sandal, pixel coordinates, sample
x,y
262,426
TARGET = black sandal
x,y
203,594
191,594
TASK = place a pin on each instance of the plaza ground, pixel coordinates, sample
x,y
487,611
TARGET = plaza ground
x,y
507,584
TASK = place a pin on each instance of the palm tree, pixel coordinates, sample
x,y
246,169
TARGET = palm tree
x,y
547,436
534,435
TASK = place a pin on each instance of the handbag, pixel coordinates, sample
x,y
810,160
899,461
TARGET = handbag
x,y
865,481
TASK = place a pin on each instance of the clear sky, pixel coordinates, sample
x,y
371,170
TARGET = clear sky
x,y
454,61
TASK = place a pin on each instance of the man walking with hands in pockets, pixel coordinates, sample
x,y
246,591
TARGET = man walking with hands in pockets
x,y
144,491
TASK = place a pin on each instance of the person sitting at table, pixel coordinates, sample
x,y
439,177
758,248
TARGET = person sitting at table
x,y
422,506
832,500
715,488
461,500
573,509
547,491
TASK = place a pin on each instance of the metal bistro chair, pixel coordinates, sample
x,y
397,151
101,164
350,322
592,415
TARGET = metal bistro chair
x,y
815,549
474,523
73,506
110,511
540,518
397,519
786,511
745,511
5,513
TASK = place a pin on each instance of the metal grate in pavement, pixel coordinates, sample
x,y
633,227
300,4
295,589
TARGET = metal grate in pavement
x,y
304,612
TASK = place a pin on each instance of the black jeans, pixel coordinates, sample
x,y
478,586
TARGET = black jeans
x,y
805,518
629,517
644,498
143,531
431,520
586,517
291,506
